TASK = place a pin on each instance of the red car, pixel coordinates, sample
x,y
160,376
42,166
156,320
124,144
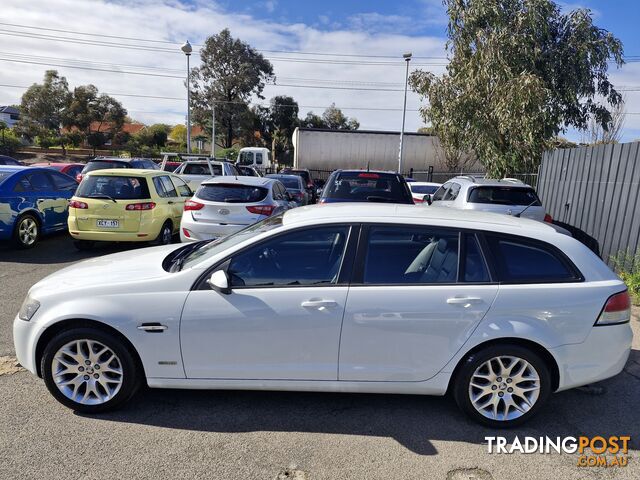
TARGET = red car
x,y
71,169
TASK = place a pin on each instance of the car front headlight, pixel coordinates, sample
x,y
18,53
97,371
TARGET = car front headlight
x,y
28,309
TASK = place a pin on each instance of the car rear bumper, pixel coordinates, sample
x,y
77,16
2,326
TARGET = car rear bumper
x,y
602,355
206,231
99,236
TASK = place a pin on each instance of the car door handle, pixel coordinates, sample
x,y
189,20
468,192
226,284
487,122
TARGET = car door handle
x,y
463,300
152,327
318,304
170,202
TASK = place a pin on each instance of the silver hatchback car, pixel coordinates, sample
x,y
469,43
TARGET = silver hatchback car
x,y
223,205
508,196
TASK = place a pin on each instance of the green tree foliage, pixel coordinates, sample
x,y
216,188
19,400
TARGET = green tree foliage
x,y
9,142
230,73
332,118
42,107
520,73
88,107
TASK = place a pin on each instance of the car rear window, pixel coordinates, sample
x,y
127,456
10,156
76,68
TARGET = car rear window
x,y
292,183
116,187
372,187
504,196
300,173
232,193
201,169
103,165
423,189
520,260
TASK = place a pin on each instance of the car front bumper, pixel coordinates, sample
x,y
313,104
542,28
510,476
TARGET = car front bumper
x,y
25,335
602,355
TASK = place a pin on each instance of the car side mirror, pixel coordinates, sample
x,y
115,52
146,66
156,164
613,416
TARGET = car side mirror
x,y
219,281
427,199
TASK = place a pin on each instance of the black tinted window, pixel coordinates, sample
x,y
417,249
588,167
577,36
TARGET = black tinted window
x,y
63,182
440,192
504,196
308,257
523,261
40,182
201,169
452,193
401,254
475,269
164,187
22,185
372,187
118,188
232,193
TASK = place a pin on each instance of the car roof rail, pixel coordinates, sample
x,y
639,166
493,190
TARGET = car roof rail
x,y
512,180
468,177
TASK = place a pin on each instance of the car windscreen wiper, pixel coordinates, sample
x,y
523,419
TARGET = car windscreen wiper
x,y
102,195
374,198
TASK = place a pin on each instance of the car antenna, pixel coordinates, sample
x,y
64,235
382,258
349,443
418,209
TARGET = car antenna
x,y
525,209
367,165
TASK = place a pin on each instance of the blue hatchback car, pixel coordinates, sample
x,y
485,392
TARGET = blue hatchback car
x,y
34,201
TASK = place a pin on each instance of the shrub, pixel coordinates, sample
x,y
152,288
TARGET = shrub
x,y
627,266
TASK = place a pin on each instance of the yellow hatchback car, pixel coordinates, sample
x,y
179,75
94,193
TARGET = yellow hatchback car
x,y
127,205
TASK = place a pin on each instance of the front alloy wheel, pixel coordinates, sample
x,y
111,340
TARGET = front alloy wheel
x,y
502,385
89,370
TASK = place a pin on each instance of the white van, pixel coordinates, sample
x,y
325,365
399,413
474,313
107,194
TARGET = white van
x,y
256,157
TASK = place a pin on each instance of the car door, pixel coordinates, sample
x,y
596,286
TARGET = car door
x,y
44,197
412,304
281,318
280,197
65,187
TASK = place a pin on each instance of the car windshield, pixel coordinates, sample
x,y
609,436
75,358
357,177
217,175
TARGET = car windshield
x,y
113,187
4,175
103,165
246,158
504,196
211,249
232,193
423,189
368,186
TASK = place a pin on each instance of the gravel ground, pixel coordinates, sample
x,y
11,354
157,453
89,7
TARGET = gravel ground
x,y
273,435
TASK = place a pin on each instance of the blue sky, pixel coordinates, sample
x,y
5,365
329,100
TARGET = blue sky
x,y
378,27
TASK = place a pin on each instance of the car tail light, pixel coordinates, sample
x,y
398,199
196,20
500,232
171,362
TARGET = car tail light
x,y
78,204
418,200
191,205
262,209
548,218
616,310
368,175
141,206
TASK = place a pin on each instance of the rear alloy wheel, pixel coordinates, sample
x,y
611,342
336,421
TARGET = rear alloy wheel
x,y
165,236
27,231
502,386
89,370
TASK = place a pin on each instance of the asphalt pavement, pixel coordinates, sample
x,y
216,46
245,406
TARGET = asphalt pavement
x,y
279,435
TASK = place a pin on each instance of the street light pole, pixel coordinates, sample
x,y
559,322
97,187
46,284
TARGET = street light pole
x,y
186,48
407,59
213,129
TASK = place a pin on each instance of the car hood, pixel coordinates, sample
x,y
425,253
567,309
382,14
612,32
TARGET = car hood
x,y
134,266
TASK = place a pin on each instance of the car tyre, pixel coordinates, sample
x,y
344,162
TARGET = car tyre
x,y
502,386
27,231
84,245
165,236
82,378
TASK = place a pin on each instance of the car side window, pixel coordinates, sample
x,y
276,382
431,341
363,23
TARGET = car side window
x,y
520,260
23,185
40,182
169,189
182,188
62,182
475,268
440,192
159,186
259,158
277,192
453,191
402,254
303,258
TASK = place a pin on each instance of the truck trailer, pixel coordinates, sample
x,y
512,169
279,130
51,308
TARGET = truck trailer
x,y
328,150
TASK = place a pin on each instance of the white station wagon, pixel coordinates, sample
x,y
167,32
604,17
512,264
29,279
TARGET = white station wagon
x,y
500,311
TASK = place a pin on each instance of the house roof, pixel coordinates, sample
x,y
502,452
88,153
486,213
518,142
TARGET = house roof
x,y
9,109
